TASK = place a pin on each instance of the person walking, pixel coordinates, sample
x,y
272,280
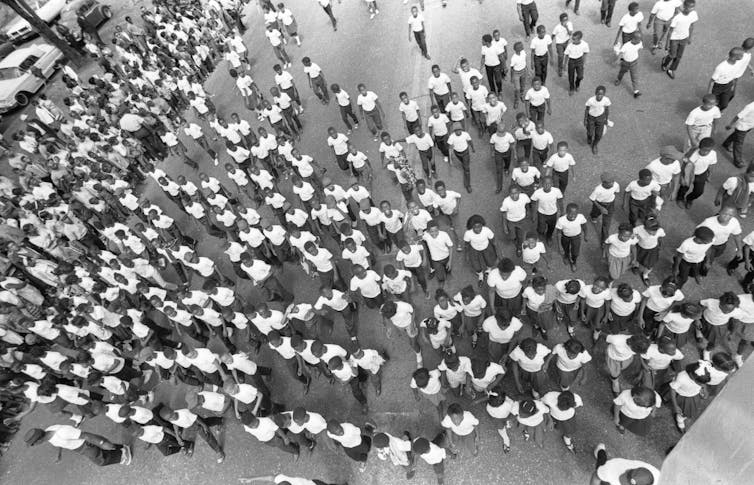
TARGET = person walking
x,y
416,26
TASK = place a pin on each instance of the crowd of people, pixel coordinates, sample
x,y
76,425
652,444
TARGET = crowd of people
x,y
105,296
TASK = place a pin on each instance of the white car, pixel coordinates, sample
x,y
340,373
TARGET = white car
x,y
20,29
17,82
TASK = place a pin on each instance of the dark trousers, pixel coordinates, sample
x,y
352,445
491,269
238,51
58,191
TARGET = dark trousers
x,y
276,291
502,164
540,67
606,11
428,165
560,49
539,157
735,142
421,278
686,269
357,384
495,78
595,126
607,219
546,224
571,247
465,158
560,180
99,456
442,100
675,53
328,11
724,93
345,112
320,88
637,209
537,113
292,119
530,16
422,41
441,142
575,73
697,188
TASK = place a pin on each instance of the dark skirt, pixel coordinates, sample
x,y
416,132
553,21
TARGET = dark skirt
x,y
481,260
566,378
567,427
647,257
638,427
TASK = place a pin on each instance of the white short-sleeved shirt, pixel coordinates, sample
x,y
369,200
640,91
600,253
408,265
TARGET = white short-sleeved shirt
x,y
639,192
422,143
722,232
604,196
64,436
518,61
540,46
533,420
434,385
467,425
550,399
368,101
597,106
594,300
631,409
525,179
510,287
410,110
630,23
570,228
531,255
438,125
339,143
439,247
657,302
416,23
493,113
439,84
534,364
568,364
481,240
621,307
501,335
664,173
702,162
414,257
629,51
576,51
681,25
647,240
547,202
491,55
613,469
369,286
560,164
693,252
657,360
537,97
562,33
617,347
515,210
618,248
677,323
700,117
665,9
458,376
477,97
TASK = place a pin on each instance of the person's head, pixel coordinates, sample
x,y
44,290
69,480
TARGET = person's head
x,y
726,213
625,292
529,347
474,82
651,224
566,401
669,287
600,284
467,294
522,120
547,183
403,96
723,361
572,210
306,61
599,92
709,101
636,38
414,11
638,343
541,31
576,37
475,223
420,446
563,18
518,47
539,284
381,440
688,6
442,298
573,347
455,413
421,377
699,371
706,145
645,177
362,89
729,301
643,396
536,82
690,310
435,70
666,345
703,235
440,188
633,8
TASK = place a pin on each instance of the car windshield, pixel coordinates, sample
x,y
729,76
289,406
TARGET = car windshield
x,y
28,62
9,73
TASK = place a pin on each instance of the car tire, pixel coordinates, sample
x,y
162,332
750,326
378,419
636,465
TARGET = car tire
x,y
23,98
107,12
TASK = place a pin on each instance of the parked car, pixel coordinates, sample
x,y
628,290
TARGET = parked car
x,y
20,30
90,12
24,72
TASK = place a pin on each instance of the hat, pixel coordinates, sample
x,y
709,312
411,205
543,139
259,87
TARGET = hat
x,y
33,436
669,151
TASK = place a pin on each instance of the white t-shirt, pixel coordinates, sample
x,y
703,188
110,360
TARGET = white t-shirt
x,y
547,202
531,255
439,125
481,240
528,364
439,84
368,101
647,240
550,399
439,247
501,335
639,192
568,364
629,51
568,227
630,23
693,252
502,143
560,164
594,300
722,232
604,196
621,307
702,162
416,23
369,286
681,25
510,287
576,51
539,45
515,210
699,117
657,360
663,173
665,9
597,106
467,425
629,407
537,97
410,110
657,302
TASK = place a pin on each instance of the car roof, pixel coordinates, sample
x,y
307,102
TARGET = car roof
x,y
16,57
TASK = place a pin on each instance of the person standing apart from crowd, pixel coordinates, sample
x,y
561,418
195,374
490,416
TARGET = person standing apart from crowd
x,y
575,60
741,124
618,471
725,77
660,16
596,115
679,36
528,15
327,7
416,26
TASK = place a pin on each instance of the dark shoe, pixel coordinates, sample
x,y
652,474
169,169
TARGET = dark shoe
x,y
468,189
616,82
637,94
727,148
594,149
670,74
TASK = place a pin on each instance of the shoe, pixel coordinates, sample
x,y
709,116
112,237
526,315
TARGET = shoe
x,y
670,74
727,148
594,149
348,132
616,82
506,448
446,159
376,11
739,360
607,24
371,16
680,423
570,92
620,428
127,455
598,448
571,448
571,331
468,189
653,49
498,190
355,126
526,435
376,139
573,267
637,94
459,248
706,355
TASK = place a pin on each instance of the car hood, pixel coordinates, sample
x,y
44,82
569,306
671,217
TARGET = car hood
x,y
8,88
46,12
